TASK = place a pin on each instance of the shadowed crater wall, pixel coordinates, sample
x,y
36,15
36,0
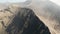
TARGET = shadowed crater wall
x,y
26,22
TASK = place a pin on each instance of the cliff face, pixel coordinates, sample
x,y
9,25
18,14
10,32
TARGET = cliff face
x,y
24,21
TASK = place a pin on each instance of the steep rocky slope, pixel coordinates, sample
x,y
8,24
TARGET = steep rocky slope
x,y
16,20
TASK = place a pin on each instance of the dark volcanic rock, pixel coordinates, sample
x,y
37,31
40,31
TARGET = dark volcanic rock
x,y
26,22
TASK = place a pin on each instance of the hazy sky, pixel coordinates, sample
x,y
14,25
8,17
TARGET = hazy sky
x,y
11,1
14,1
56,1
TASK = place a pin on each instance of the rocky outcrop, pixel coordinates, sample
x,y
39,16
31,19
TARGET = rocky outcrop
x,y
17,20
26,22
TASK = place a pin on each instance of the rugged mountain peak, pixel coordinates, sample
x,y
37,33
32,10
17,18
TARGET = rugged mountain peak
x,y
16,20
26,22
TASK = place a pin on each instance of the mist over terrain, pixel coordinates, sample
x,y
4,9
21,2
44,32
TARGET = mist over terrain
x,y
48,12
45,10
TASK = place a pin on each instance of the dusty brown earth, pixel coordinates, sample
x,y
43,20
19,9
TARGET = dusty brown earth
x,y
6,15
